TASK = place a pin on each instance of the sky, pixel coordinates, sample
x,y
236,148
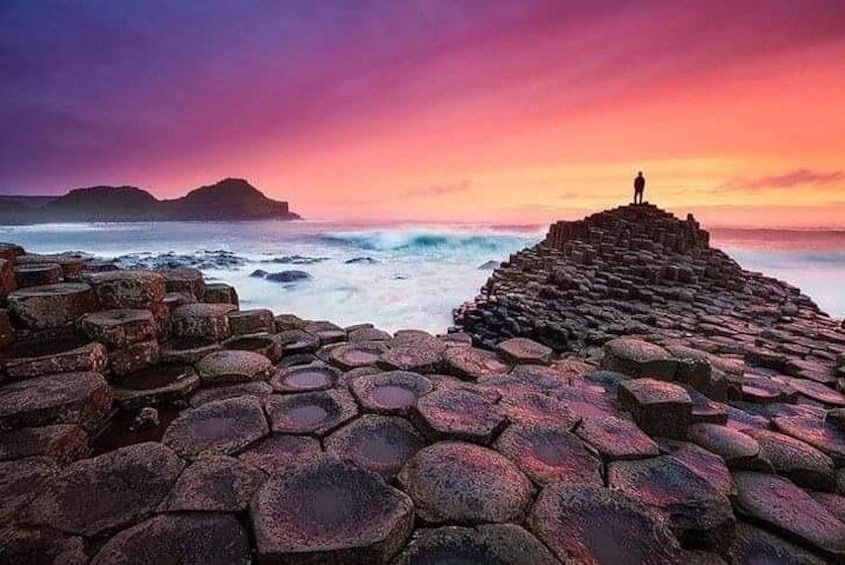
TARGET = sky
x,y
511,111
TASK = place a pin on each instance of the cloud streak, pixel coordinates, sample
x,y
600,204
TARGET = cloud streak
x,y
786,181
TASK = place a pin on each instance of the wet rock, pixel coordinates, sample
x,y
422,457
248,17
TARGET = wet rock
x,y
264,344
128,289
155,385
187,350
134,357
310,413
753,545
326,331
98,495
329,511
520,350
232,367
83,399
279,451
59,444
217,428
367,334
304,378
215,484
699,514
471,363
184,279
590,524
740,451
252,321
459,414
461,482
799,462
779,504
353,355
638,358
392,392
51,306
256,389
202,321
494,543
659,408
825,437
38,274
615,438
27,359
287,322
377,443
258,274
547,455
20,481
188,539
291,276
221,293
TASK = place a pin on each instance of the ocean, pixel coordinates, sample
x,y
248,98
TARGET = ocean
x,y
396,275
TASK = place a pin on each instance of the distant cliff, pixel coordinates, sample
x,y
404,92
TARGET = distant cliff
x,y
229,199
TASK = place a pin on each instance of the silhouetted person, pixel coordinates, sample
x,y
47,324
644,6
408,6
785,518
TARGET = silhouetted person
x,y
639,188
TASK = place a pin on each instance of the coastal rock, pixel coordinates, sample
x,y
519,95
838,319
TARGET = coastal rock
x,y
134,357
27,359
264,344
215,484
20,481
155,385
60,444
659,408
98,495
251,321
36,546
740,451
461,482
755,545
393,392
459,414
305,378
419,353
118,328
202,321
638,358
520,350
128,289
279,451
221,293
298,341
223,427
615,438
187,350
38,274
329,511
354,355
799,462
51,306
292,276
186,280
377,443
326,331
257,389
83,399
310,413
232,367
470,363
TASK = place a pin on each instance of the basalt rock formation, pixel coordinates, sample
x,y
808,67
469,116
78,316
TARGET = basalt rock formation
x,y
229,199
145,418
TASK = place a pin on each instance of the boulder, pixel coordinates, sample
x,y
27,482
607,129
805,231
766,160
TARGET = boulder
x,y
290,276
465,483
83,399
329,511
51,306
96,496
659,408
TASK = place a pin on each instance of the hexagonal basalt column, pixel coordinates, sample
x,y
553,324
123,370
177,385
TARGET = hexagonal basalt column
x,y
60,444
304,378
329,511
354,355
155,385
119,328
215,484
279,451
230,367
527,351
310,413
68,398
134,357
298,341
264,344
465,483
96,495
202,320
38,274
740,451
659,408
217,428
548,455
394,392
454,413
187,350
51,306
186,280
615,438
471,363
128,289
35,358
189,539
378,443
638,358
493,543
221,293
326,331
414,351
252,322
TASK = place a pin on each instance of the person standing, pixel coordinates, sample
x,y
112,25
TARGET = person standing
x,y
639,188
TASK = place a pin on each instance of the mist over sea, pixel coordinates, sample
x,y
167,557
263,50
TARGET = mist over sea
x,y
396,275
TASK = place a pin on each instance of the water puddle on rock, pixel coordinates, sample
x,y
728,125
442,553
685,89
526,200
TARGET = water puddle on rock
x,y
393,396
119,433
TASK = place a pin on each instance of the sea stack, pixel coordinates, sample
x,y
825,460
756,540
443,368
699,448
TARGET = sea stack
x,y
619,393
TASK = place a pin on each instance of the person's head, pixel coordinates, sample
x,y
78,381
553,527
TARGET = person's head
x,y
639,174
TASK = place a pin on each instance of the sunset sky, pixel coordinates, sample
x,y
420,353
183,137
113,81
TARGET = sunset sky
x,y
506,111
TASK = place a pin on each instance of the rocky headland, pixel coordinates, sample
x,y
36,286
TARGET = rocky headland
x,y
620,393
229,199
